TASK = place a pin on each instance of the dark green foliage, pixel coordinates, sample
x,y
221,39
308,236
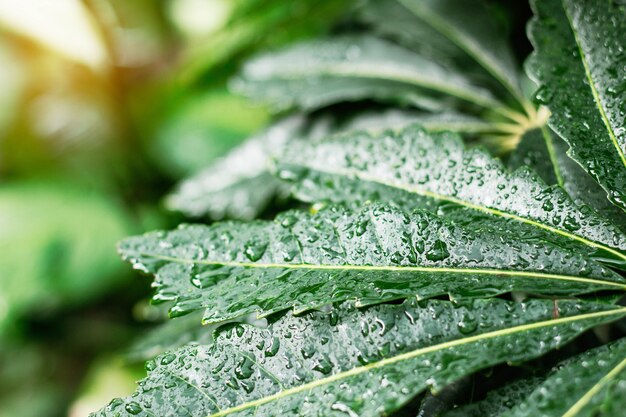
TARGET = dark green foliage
x,y
424,263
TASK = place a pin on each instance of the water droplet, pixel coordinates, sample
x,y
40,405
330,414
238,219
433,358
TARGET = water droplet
x,y
255,249
133,408
168,358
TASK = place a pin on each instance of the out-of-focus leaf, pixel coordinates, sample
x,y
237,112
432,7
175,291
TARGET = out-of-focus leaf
x,y
252,26
171,335
590,384
362,363
414,168
57,245
499,400
457,33
578,65
308,75
238,185
202,129
369,255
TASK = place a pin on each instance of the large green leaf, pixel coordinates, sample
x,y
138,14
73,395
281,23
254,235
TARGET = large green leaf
x,y
240,186
579,66
414,168
350,362
370,255
460,33
590,384
318,73
545,152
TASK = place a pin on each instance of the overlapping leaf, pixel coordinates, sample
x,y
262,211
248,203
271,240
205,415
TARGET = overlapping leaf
x,y
319,73
590,384
457,33
350,362
373,254
579,66
414,168
239,185
498,401
545,152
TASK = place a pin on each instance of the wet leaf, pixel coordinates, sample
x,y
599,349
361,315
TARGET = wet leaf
x,y
319,73
238,185
578,64
462,34
590,384
499,400
370,255
414,168
349,362
545,152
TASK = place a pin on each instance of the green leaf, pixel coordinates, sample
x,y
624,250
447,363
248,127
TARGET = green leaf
x,y
460,33
395,119
414,168
350,362
318,73
578,65
590,384
545,152
171,335
48,254
374,254
238,185
499,400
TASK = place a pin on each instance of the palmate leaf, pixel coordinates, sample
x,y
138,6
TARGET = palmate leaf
x,y
579,65
351,362
590,384
414,168
373,254
318,73
546,153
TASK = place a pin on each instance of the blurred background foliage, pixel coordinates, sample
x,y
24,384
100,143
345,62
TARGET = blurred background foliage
x,y
104,106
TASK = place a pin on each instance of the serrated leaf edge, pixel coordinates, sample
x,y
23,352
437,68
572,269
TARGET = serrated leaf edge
x,y
412,354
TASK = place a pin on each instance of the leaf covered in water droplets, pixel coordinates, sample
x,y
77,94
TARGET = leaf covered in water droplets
x,y
459,34
319,73
545,152
349,362
578,63
373,254
239,185
434,171
590,384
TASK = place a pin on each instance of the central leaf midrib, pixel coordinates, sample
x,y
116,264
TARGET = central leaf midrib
x,y
412,354
408,269
584,400
436,196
